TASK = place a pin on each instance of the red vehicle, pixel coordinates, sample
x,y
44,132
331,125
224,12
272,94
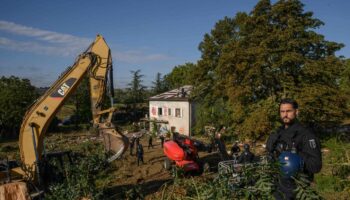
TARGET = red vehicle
x,y
183,151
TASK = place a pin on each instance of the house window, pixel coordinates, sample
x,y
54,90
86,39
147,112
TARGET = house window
x,y
160,111
177,112
169,111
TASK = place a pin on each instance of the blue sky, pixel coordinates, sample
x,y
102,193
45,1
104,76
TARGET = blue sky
x,y
39,39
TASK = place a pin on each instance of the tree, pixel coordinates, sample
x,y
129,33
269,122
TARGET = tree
x,y
209,89
82,102
136,89
181,75
253,60
16,96
120,96
136,94
345,83
159,85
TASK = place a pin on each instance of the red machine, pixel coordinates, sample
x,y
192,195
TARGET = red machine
x,y
184,152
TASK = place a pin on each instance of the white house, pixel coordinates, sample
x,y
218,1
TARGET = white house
x,y
174,107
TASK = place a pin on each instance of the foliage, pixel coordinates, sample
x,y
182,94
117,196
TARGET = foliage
x,y
345,82
82,103
159,85
135,193
304,191
334,177
180,75
252,182
82,177
16,95
136,95
136,89
215,114
120,96
254,59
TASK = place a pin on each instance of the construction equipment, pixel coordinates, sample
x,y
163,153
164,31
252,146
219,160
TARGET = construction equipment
x,y
96,62
183,151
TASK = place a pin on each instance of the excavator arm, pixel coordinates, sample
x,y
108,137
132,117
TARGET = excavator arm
x,y
95,62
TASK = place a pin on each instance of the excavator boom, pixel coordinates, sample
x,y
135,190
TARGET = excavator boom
x,y
95,62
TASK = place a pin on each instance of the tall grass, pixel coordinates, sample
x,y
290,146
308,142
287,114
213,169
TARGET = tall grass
x,y
333,182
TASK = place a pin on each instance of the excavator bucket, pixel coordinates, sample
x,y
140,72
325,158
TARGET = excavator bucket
x,y
115,143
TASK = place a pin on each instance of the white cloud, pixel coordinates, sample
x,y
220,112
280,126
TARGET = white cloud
x,y
38,48
41,41
43,35
45,42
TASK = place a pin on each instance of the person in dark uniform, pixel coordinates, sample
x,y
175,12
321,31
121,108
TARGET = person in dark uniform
x,y
132,144
137,142
235,149
222,148
246,156
293,137
139,154
150,142
161,140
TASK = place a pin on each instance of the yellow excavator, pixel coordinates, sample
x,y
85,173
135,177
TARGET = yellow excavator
x,y
96,62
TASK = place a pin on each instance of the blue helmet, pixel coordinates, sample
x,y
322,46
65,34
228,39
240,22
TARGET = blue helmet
x,y
291,163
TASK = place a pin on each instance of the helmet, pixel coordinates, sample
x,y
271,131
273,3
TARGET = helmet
x,y
291,163
246,147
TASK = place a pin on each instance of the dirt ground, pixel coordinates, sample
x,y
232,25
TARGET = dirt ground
x,y
150,175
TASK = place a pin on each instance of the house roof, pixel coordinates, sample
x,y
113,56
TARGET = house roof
x,y
179,94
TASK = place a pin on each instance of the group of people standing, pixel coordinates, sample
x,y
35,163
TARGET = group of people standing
x,y
135,141
245,157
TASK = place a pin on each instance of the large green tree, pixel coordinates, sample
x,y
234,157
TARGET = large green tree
x,y
213,108
345,83
180,75
253,60
16,95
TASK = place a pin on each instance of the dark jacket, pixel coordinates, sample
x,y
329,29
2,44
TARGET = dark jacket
x,y
140,150
305,142
235,149
246,157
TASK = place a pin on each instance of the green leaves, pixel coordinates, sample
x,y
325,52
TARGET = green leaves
x,y
16,95
136,89
159,85
253,60
180,75
304,191
82,177
252,182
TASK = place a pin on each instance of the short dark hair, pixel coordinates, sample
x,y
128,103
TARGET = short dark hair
x,y
289,101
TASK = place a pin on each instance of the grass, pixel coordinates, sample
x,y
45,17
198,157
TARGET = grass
x,y
333,182
65,111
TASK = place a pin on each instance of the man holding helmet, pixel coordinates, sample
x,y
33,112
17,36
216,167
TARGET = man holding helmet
x,y
296,147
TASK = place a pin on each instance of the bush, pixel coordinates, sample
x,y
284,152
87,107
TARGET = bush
x,y
83,177
16,95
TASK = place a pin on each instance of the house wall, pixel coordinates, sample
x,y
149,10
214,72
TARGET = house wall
x,y
181,123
